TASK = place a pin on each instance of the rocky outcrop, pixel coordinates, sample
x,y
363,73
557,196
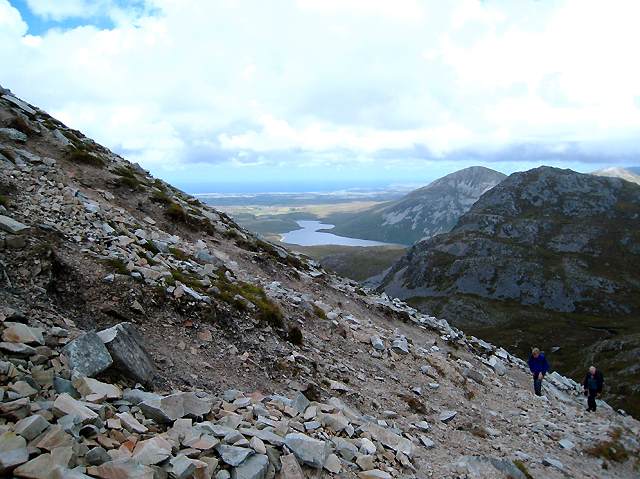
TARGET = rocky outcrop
x,y
425,212
544,243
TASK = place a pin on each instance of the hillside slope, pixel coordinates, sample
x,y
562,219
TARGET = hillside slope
x,y
423,213
261,360
547,257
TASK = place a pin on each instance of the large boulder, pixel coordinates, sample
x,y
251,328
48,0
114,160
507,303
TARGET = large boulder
x,y
87,355
128,353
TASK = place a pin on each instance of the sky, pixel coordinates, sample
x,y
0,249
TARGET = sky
x,y
320,95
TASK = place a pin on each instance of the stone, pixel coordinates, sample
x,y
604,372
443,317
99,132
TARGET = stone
x,y
390,439
23,389
152,451
400,346
53,438
257,445
290,467
30,427
366,462
264,434
130,423
307,450
21,333
87,355
15,242
498,366
254,467
9,460
97,456
175,406
333,464
548,461
64,386
37,468
10,441
446,416
377,343
65,404
367,447
337,422
428,443
232,455
43,378
129,355
300,403
568,445
59,472
475,375
13,134
65,456
374,474
180,467
88,386
18,349
121,468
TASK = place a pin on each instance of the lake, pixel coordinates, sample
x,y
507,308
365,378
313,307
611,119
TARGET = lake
x,y
310,236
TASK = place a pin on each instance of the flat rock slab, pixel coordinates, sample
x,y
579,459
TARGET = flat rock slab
x,y
290,467
9,460
65,405
232,455
255,467
307,450
446,416
12,226
120,469
21,333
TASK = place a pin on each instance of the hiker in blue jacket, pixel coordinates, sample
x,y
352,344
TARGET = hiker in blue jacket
x,y
538,365
593,383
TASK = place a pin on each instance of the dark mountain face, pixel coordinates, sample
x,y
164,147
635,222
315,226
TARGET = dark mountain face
x,y
425,212
547,258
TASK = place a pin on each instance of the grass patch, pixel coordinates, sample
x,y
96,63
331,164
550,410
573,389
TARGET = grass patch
x,y
8,154
295,336
4,201
319,312
160,197
178,254
610,450
479,432
76,155
176,213
150,247
118,265
18,123
414,403
520,465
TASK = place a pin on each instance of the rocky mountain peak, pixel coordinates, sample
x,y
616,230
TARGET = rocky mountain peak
x,y
618,172
146,335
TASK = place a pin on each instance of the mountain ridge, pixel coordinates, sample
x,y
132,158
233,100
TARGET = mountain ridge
x,y
422,213
546,243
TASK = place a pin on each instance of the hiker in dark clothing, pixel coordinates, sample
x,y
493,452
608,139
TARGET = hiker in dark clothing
x,y
593,383
538,365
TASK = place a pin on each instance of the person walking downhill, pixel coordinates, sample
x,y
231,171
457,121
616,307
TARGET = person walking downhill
x,y
538,365
593,383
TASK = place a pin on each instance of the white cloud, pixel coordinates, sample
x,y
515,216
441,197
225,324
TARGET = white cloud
x,y
331,81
